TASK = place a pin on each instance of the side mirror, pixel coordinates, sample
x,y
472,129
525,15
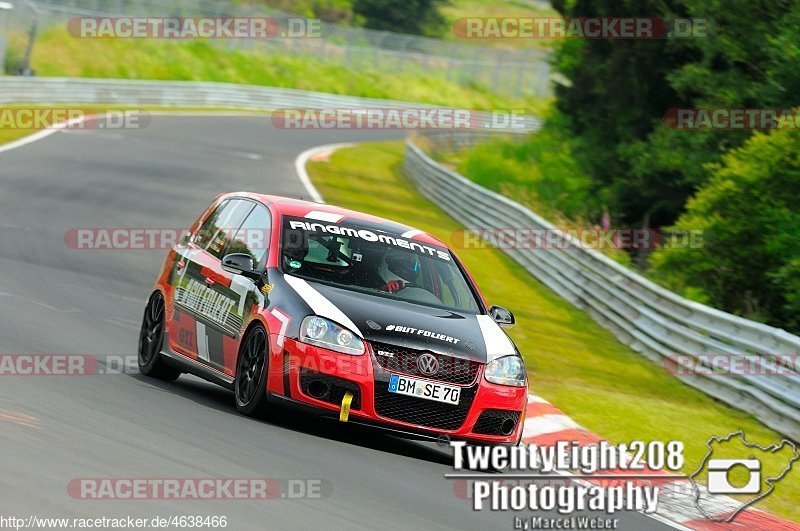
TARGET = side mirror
x,y
241,264
502,316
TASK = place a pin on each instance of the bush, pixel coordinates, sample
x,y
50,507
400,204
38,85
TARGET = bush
x,y
419,17
749,212
539,171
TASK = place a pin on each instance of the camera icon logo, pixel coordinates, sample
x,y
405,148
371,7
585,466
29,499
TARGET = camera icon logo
x,y
753,478
719,476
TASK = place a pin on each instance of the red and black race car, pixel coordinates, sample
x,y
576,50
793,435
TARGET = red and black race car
x,y
342,313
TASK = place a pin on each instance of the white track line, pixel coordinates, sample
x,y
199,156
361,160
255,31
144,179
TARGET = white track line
x,y
27,140
44,133
300,167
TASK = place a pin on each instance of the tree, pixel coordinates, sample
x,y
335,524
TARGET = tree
x,y
741,63
419,17
620,90
617,92
750,217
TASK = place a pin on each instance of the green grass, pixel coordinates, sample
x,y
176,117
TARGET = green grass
x,y
9,135
458,9
573,362
58,54
538,171
342,11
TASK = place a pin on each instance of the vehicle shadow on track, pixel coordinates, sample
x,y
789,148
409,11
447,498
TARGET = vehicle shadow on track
x,y
215,397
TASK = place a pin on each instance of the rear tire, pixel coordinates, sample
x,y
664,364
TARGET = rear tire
x,y
151,338
250,385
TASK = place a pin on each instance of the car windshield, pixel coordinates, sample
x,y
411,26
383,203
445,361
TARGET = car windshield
x,y
370,261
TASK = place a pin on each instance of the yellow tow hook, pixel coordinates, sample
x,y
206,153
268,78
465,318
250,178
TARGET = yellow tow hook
x,y
344,413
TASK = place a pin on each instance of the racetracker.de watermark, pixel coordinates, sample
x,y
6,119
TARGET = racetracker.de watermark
x,y
199,489
732,119
47,365
42,364
152,239
70,118
392,118
785,365
526,238
54,364
193,28
580,27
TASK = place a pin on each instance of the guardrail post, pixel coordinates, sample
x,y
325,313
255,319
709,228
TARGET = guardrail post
x,y
5,7
25,67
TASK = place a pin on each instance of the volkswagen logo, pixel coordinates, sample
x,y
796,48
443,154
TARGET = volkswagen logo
x,y
428,364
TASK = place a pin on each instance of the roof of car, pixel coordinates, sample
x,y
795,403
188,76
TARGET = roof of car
x,y
322,212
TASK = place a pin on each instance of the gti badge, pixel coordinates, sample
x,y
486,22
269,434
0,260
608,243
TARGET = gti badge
x,y
428,364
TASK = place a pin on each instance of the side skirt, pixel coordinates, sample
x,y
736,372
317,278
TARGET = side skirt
x,y
188,365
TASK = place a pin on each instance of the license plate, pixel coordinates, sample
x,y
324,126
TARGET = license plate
x,y
403,385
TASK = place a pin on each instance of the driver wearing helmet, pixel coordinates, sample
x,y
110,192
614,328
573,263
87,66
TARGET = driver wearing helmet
x,y
360,272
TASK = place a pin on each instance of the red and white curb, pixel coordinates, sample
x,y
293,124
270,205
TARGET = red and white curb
x,y
545,425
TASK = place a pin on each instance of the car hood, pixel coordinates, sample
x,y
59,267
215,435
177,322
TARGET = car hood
x,y
419,327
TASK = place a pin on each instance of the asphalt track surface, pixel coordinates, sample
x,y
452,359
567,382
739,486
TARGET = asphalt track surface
x,y
58,300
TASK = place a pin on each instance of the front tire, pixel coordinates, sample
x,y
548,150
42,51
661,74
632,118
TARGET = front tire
x,y
250,385
151,338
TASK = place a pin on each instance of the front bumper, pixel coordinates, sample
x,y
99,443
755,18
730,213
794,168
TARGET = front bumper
x,y
478,418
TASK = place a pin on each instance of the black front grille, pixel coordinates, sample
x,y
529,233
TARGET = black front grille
x,y
337,388
491,421
404,361
421,411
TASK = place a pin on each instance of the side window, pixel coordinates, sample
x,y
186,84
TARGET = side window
x,y
216,232
209,227
253,237
455,293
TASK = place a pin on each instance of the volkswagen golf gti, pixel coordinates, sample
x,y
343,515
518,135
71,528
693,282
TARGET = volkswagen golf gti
x,y
343,314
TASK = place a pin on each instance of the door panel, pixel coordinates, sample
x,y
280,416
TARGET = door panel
x,y
203,300
252,238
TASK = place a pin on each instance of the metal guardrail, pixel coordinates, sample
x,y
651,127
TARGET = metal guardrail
x,y
140,93
652,320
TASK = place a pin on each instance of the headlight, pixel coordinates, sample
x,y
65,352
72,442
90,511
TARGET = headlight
x,y
321,332
508,370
